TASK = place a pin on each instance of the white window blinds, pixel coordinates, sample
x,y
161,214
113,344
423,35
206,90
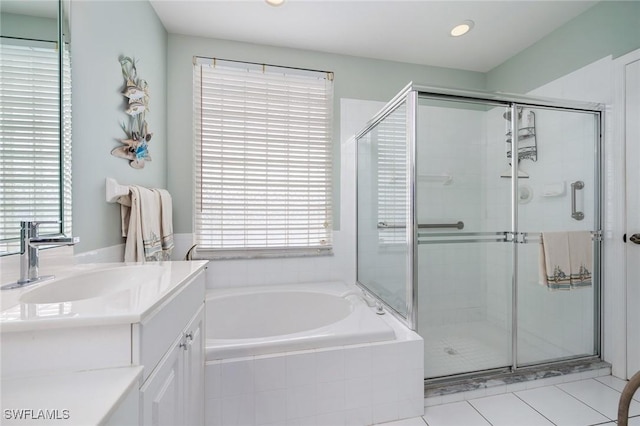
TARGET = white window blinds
x,y
263,160
33,184
391,136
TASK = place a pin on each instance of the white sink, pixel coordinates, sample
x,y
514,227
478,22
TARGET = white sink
x,y
97,283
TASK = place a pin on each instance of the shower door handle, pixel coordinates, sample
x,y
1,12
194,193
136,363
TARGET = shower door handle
x,y
575,186
635,238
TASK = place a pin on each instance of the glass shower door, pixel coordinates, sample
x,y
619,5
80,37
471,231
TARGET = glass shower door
x,y
558,319
464,262
383,237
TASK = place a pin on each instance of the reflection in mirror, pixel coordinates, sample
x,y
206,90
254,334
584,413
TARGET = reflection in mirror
x,y
35,120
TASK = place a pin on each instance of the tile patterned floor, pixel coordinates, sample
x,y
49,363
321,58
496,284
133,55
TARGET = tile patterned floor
x,y
580,403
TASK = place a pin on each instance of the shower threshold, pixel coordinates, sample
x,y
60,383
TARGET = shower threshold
x,y
498,380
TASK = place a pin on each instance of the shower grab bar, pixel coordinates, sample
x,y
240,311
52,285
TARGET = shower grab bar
x,y
575,186
457,225
385,225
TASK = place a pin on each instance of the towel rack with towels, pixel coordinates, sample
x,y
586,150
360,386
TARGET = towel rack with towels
x,y
114,190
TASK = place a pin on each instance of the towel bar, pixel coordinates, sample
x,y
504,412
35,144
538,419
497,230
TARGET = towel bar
x,y
536,237
114,190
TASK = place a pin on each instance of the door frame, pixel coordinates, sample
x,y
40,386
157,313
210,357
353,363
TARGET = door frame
x,y
621,318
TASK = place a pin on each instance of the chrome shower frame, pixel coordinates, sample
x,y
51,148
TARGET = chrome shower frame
x,y
410,95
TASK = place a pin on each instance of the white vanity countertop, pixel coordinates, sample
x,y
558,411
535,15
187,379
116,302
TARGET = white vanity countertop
x,y
71,398
129,305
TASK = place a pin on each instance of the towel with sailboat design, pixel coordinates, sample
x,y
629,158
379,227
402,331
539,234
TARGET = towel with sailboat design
x,y
566,260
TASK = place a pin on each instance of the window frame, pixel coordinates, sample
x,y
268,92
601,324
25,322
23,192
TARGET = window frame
x,y
292,139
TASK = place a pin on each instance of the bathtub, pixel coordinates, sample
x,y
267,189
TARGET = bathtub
x,y
251,321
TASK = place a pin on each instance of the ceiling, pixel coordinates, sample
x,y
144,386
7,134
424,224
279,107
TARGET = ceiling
x,y
406,31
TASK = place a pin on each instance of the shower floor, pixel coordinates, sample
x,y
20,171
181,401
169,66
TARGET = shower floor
x,y
475,346
465,347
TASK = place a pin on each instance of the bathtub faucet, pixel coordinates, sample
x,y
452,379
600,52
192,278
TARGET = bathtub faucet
x,y
30,244
367,298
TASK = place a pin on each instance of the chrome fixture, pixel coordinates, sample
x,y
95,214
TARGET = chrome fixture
x,y
575,186
458,225
526,134
30,245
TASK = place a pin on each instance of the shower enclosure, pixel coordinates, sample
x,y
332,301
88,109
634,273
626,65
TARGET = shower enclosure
x,y
454,192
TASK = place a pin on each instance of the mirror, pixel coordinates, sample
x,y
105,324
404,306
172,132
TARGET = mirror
x,y
35,119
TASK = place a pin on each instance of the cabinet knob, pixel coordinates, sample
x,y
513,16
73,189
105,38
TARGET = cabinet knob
x,y
183,345
189,335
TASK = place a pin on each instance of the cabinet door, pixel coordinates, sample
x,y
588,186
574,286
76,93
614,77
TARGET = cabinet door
x,y
162,396
194,370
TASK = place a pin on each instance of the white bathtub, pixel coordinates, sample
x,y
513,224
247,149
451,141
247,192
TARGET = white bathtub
x,y
251,321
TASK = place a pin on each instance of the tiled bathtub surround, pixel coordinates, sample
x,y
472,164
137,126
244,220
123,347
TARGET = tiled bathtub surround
x,y
351,385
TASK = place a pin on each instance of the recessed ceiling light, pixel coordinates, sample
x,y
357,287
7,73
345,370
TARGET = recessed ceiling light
x,y
462,28
274,2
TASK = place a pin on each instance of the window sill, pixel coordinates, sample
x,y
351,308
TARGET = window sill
x,y
214,254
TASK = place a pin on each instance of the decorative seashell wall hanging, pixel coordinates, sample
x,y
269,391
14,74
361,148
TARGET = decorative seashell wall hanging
x,y
135,147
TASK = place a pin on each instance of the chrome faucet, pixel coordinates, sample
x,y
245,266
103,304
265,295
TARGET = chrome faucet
x,y
30,244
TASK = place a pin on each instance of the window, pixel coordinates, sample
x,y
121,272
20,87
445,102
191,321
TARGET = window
x,y
391,137
263,160
35,167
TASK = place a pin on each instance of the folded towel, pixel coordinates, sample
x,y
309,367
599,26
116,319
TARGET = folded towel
x,y
141,224
555,261
581,255
166,223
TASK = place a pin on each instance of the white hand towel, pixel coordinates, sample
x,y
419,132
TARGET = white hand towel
x,y
131,226
555,263
581,254
143,229
166,222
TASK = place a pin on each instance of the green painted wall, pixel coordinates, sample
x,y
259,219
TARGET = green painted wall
x,y
30,27
358,78
101,31
608,28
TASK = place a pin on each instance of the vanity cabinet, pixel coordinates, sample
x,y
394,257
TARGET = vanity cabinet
x,y
173,387
146,345
174,392
194,371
